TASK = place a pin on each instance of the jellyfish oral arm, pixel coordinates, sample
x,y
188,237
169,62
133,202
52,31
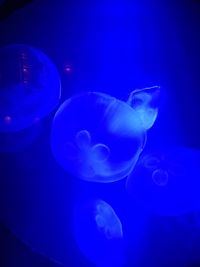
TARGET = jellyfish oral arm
x,y
145,103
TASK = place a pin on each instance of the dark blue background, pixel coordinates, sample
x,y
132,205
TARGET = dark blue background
x,y
113,47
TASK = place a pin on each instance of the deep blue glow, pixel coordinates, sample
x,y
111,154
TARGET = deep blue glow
x,y
99,138
111,47
98,233
167,181
16,141
29,87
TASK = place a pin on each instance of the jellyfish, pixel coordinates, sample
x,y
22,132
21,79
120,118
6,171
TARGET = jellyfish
x,y
98,233
166,181
107,221
99,138
29,87
145,102
37,209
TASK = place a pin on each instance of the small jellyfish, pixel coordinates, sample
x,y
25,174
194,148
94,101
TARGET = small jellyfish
x,y
107,221
98,233
99,138
166,181
29,87
145,102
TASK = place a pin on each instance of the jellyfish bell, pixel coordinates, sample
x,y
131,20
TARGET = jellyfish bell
x,y
98,233
105,136
107,220
29,86
166,181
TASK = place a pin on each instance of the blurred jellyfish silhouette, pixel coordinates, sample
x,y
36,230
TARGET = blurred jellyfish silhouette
x,y
29,87
98,233
167,181
99,138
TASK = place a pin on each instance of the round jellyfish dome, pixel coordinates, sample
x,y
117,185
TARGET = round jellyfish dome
x,y
97,137
29,87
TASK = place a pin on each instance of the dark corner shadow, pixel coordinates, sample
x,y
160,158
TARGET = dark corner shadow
x,y
10,6
14,253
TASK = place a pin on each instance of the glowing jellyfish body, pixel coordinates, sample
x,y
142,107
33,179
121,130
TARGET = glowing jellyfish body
x,y
98,233
167,182
97,137
29,87
107,221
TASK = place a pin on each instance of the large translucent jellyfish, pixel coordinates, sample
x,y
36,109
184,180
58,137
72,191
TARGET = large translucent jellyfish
x,y
99,138
167,182
98,233
29,87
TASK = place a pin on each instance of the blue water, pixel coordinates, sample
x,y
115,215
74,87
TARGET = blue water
x,y
166,181
114,48
98,232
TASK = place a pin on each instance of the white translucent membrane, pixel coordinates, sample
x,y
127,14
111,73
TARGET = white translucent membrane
x,y
145,102
167,181
96,137
98,233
